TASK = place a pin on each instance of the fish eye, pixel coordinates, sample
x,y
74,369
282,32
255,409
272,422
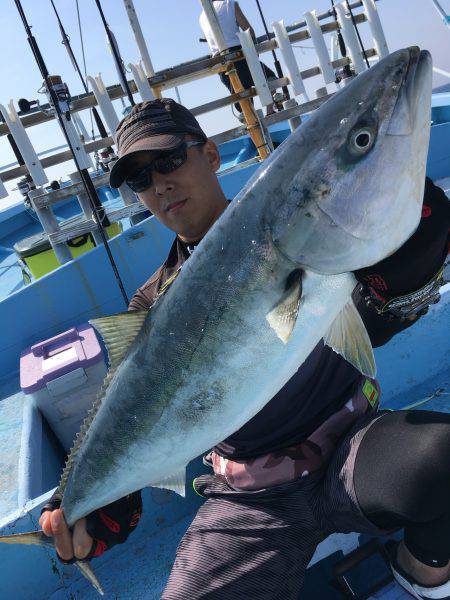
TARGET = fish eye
x,y
361,140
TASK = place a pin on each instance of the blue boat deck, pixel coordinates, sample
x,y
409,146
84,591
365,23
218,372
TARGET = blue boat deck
x,y
407,376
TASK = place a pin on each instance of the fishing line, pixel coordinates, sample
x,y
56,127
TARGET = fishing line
x,y
84,58
66,44
84,175
118,61
275,59
357,33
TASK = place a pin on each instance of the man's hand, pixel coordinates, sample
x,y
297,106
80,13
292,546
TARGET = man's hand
x,y
93,535
68,545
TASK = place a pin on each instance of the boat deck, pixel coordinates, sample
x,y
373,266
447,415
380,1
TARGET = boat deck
x,y
407,376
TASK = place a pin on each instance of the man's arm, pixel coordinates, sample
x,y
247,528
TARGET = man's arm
x,y
397,291
242,20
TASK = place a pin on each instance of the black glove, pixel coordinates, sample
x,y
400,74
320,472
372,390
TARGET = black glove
x,y
398,290
109,525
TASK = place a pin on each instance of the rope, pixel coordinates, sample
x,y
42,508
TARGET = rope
x,y
84,63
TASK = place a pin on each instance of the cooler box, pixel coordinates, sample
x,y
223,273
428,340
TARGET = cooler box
x,y
35,253
62,375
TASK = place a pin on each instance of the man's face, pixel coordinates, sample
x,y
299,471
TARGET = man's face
x,y
189,199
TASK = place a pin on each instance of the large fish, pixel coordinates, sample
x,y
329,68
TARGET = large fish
x,y
269,280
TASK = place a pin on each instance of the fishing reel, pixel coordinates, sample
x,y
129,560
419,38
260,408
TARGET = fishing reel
x,y
103,159
61,92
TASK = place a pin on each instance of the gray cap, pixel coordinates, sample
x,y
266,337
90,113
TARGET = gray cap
x,y
152,125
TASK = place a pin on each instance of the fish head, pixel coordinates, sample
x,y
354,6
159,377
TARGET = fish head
x,y
350,180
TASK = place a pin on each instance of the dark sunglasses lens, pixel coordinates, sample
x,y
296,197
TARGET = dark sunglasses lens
x,y
170,162
164,164
141,182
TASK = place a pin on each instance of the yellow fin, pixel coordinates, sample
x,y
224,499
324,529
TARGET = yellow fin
x,y
283,316
38,538
118,333
348,337
31,538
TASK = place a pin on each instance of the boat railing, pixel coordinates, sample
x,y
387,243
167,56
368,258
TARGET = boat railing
x,y
150,85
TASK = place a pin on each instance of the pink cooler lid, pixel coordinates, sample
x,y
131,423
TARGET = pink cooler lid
x,y
49,359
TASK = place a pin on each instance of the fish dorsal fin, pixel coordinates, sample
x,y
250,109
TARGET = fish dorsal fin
x,y
348,337
118,333
175,482
283,316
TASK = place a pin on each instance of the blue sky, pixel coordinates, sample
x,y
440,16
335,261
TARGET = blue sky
x,y
171,29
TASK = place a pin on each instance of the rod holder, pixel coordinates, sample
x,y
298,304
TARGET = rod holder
x,y
350,38
141,81
289,59
140,40
252,58
50,225
318,41
376,28
22,140
104,101
85,205
84,160
294,122
79,126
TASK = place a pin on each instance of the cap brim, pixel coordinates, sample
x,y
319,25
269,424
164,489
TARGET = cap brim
x,y
120,168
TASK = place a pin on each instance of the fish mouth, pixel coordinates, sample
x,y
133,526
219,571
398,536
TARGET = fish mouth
x,y
403,118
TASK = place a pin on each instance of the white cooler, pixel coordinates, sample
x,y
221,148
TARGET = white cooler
x,y
62,375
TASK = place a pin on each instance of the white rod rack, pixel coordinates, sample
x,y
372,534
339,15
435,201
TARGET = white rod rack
x,y
60,157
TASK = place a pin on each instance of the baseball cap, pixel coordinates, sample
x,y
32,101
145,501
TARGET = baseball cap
x,y
152,125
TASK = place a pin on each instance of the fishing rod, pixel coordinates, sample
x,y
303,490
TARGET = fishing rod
x,y
114,50
357,33
66,44
275,59
84,175
346,70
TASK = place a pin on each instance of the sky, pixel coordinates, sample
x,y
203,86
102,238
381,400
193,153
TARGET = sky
x,y
172,32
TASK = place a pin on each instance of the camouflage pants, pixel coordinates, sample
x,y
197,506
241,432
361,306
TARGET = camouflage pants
x,y
256,544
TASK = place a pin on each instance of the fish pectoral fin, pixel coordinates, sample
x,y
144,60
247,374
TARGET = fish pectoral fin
x,y
31,538
348,337
283,316
118,333
175,482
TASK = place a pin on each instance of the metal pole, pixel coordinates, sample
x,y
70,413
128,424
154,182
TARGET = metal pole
x,y
275,59
89,186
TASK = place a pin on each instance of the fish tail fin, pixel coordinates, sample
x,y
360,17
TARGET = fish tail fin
x,y
32,538
38,538
87,571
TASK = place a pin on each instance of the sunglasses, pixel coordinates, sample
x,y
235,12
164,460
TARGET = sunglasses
x,y
165,163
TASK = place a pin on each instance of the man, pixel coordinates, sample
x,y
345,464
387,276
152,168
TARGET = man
x,y
356,469
231,19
